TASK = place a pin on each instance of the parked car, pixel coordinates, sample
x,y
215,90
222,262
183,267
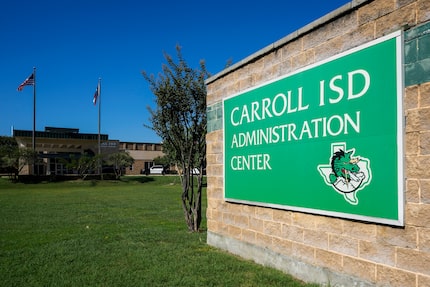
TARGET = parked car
x,y
195,171
157,169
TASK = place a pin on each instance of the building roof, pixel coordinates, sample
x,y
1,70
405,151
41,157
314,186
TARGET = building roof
x,y
60,133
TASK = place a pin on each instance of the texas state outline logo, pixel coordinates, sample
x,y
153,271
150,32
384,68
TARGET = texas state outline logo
x,y
345,173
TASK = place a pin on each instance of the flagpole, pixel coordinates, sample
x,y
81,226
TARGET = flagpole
x,y
99,143
31,81
34,119
34,110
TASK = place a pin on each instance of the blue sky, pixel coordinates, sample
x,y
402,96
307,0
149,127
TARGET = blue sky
x,y
74,43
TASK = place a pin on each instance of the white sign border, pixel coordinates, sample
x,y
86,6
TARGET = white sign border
x,y
400,137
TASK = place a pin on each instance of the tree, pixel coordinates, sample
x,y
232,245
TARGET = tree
x,y
180,120
83,164
13,158
163,160
119,161
26,156
9,156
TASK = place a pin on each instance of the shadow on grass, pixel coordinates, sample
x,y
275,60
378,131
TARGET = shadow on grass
x,y
93,179
136,179
35,179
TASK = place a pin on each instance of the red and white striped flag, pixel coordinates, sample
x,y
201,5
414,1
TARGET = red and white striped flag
x,y
27,82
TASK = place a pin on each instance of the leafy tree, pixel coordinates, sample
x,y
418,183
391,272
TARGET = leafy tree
x,y
180,120
164,160
120,160
83,164
13,159
26,156
9,156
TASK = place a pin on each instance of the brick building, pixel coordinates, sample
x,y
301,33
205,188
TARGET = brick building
x,y
143,154
57,145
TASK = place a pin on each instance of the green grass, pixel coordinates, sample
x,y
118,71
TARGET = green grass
x,y
128,233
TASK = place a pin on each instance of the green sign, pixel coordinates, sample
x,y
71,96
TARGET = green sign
x,y
327,139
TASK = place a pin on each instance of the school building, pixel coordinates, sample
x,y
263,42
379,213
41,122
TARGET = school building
x,y
56,146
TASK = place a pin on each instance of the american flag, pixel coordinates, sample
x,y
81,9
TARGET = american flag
x,y
27,82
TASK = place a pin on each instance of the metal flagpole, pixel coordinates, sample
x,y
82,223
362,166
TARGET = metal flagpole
x,y
99,143
34,121
31,80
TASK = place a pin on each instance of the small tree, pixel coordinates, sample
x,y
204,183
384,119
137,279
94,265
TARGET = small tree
x,y
180,120
120,160
163,160
9,156
13,158
83,164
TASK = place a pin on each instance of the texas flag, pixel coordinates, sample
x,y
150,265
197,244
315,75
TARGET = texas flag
x,y
96,95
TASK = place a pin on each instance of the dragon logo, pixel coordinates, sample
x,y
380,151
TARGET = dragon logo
x,y
345,173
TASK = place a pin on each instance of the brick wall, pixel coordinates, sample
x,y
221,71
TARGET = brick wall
x,y
325,249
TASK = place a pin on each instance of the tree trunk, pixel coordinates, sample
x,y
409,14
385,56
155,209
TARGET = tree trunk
x,y
192,202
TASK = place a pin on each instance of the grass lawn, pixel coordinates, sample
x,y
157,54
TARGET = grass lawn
x,y
107,233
